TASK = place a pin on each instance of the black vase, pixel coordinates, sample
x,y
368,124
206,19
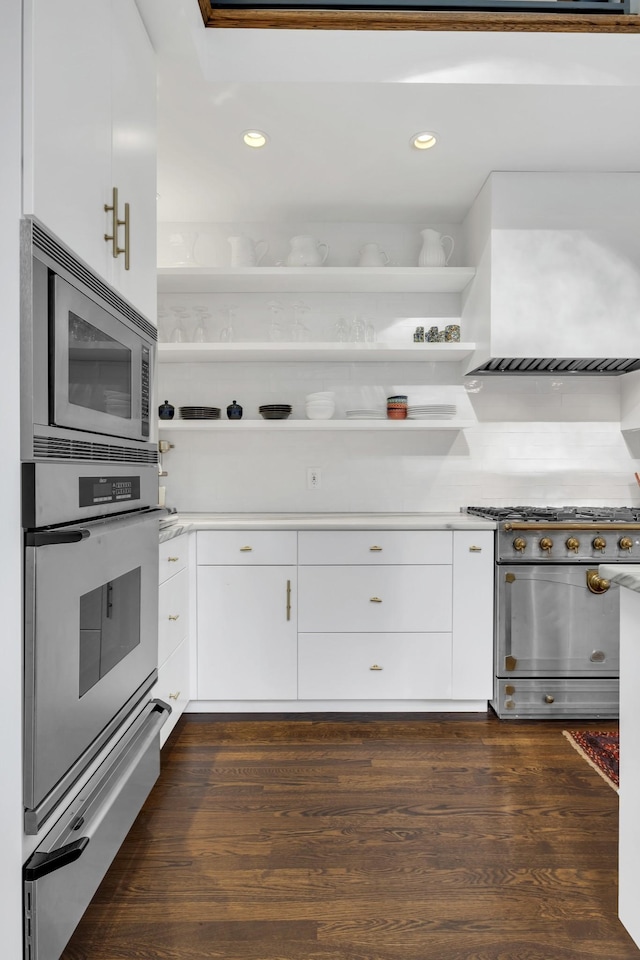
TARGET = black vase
x,y
166,411
234,411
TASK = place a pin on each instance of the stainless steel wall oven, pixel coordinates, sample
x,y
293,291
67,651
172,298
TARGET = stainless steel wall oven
x,y
90,520
557,628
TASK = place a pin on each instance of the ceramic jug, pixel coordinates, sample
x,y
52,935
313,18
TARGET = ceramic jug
x,y
307,252
433,252
246,253
372,256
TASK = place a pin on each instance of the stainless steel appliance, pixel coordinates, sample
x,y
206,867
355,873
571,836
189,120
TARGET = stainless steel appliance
x,y
557,620
87,363
90,521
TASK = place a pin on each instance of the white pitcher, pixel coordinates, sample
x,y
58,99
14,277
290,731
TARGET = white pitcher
x,y
433,252
307,252
246,253
372,256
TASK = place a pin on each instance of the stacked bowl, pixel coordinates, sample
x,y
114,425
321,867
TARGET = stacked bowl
x,y
275,411
320,406
397,407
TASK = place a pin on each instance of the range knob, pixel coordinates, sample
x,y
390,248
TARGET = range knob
x,y
625,543
546,543
598,543
519,544
573,544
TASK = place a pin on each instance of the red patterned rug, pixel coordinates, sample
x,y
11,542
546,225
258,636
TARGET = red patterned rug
x,y
601,750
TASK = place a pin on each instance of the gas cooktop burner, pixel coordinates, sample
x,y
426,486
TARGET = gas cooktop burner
x,y
594,514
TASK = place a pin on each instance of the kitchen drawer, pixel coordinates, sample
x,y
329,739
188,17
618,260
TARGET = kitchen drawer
x,y
383,666
173,614
248,548
375,546
173,686
411,599
579,699
174,555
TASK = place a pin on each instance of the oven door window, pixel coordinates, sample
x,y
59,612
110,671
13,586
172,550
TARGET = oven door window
x,y
109,627
99,370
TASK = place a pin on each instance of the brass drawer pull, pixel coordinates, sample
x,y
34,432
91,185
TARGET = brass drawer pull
x,y
375,549
246,549
174,616
475,549
172,559
375,667
174,696
375,599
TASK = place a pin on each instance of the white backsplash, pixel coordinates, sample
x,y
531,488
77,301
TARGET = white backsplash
x,y
536,440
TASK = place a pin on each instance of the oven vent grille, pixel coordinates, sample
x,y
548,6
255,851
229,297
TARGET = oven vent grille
x,y
63,257
57,448
611,367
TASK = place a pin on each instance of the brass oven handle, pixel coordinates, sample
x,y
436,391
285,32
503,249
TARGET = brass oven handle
x,y
288,599
596,583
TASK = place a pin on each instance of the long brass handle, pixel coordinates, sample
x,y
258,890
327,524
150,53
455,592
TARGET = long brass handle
x,y
288,599
174,696
375,599
127,246
113,209
246,549
375,667
174,616
375,549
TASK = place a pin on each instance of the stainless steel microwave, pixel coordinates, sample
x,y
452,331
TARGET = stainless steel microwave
x,y
88,360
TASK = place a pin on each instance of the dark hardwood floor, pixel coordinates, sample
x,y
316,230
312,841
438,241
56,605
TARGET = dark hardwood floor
x,y
432,837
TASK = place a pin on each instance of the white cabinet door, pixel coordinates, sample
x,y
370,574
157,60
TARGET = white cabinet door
x,y
473,590
68,122
134,152
378,599
247,633
173,687
173,614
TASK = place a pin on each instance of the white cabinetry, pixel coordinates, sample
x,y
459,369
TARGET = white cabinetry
x,y
173,630
90,96
345,616
247,629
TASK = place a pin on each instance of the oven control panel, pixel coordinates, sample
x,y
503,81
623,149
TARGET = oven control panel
x,y
538,543
93,491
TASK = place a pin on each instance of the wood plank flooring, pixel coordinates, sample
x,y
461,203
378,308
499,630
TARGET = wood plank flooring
x,y
430,837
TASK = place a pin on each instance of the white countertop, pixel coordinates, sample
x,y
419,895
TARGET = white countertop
x,y
624,574
179,523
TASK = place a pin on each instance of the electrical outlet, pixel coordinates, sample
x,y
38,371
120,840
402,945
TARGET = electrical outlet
x,y
314,478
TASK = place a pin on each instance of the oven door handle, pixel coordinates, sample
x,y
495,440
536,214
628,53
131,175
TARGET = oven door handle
x,y
44,538
41,864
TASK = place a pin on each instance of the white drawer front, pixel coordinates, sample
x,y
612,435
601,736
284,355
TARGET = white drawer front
x,y
375,546
174,555
361,666
173,614
378,599
248,548
173,686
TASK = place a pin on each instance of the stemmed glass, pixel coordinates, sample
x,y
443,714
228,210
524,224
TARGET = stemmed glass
x,y
300,333
226,334
178,334
200,334
276,319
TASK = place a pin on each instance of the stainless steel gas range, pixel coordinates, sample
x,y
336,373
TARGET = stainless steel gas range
x,y
557,621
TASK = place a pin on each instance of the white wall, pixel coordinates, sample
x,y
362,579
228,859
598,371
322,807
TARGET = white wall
x,y
10,549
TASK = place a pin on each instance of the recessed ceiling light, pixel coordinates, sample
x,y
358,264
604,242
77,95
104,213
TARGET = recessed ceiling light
x,y
254,138
423,141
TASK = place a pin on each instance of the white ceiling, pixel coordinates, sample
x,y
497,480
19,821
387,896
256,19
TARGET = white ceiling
x,y
340,108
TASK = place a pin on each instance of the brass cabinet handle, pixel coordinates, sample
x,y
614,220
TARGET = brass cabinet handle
x,y
172,559
288,599
376,549
174,616
116,222
246,549
475,549
174,696
375,599
596,583
375,667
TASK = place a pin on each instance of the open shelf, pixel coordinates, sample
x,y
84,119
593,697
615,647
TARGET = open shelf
x,y
346,352
314,279
285,426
